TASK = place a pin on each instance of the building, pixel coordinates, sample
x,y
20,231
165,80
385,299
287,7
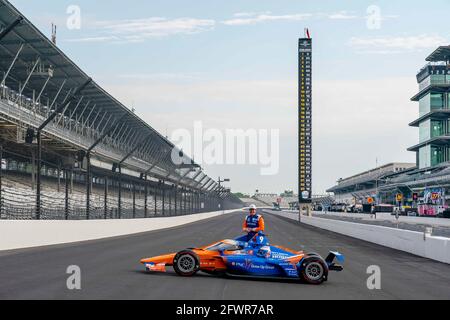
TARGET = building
x,y
360,187
431,173
434,110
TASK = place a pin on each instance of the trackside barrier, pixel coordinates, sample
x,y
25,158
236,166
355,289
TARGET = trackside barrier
x,y
32,233
417,243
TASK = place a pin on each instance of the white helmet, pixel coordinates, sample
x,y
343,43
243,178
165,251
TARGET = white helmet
x,y
264,252
252,207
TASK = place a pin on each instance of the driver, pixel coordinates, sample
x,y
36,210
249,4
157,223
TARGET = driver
x,y
253,223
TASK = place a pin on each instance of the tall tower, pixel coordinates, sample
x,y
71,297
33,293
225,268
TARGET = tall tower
x,y
305,119
433,148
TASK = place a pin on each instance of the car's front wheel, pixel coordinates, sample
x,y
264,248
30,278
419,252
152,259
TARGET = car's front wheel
x,y
314,270
186,263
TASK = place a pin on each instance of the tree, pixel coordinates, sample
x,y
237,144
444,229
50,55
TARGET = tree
x,y
287,193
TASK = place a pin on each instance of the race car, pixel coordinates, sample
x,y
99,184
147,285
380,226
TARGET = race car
x,y
254,258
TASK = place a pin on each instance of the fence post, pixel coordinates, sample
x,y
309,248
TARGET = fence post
x,y
134,200
145,197
185,201
170,200
88,185
1,173
188,201
59,178
119,204
66,202
38,177
163,199
176,196
154,195
106,199
33,169
197,202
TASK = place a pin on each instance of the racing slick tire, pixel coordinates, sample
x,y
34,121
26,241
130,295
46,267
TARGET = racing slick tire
x,y
314,270
311,254
186,263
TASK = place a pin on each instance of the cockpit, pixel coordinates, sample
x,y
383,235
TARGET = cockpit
x,y
226,245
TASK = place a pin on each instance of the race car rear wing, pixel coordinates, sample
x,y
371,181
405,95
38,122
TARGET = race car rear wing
x,y
330,261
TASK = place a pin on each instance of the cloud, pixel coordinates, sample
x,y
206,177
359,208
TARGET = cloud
x,y
94,39
258,18
342,15
168,104
220,103
390,16
352,130
157,26
251,18
139,30
250,14
358,127
162,76
392,44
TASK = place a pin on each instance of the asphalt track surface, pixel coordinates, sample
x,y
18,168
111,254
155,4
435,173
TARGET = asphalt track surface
x,y
110,268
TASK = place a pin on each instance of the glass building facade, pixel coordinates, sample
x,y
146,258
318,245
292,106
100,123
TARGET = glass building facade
x,y
434,110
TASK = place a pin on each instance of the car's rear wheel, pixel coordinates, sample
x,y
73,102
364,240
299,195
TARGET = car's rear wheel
x,y
186,263
314,270
311,254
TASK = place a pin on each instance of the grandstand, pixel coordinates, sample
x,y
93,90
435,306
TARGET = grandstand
x,y
322,202
248,201
70,150
366,184
270,199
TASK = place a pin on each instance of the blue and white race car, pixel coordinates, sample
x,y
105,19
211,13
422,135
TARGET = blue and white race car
x,y
253,257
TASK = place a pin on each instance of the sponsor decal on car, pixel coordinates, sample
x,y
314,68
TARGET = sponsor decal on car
x,y
279,255
248,265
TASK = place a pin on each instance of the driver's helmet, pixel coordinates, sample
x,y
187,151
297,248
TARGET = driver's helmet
x,y
264,252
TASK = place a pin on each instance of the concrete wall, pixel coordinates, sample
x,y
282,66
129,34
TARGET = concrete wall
x,y
437,222
435,248
26,234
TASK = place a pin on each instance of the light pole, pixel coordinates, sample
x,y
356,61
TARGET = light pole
x,y
224,180
220,185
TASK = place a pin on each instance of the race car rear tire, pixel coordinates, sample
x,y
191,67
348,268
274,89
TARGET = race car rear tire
x,y
314,270
311,254
186,263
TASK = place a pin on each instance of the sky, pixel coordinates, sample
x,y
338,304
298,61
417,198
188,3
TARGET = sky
x,y
233,65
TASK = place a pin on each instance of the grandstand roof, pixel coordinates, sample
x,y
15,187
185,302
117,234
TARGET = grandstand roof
x,y
56,77
369,177
429,177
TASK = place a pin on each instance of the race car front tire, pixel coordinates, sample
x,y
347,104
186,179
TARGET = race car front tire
x,y
186,263
314,270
